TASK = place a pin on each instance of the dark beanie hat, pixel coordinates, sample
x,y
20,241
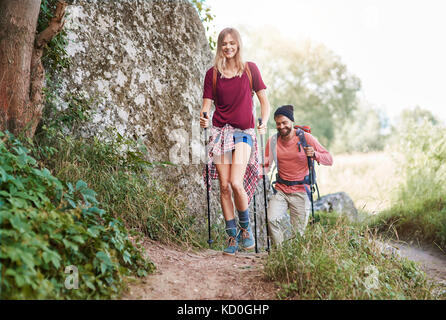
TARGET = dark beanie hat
x,y
286,111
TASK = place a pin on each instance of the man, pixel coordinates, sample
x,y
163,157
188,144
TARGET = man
x,y
293,167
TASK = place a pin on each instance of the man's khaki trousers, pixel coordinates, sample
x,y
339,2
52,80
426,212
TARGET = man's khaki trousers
x,y
278,221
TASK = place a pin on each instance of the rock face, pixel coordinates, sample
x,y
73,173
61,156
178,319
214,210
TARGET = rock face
x,y
338,202
142,66
142,63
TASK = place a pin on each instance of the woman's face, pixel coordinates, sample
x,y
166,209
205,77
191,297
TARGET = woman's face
x,y
229,46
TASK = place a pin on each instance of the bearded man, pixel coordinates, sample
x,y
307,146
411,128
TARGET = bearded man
x,y
291,188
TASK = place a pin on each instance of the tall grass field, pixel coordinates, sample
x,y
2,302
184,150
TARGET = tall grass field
x,y
370,179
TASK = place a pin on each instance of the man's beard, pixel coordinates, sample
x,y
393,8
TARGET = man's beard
x,y
284,132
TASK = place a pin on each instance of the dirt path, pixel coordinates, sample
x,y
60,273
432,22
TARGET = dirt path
x,y
202,275
207,274
431,259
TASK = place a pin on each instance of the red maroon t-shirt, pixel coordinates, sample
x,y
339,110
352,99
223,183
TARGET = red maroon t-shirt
x,y
234,100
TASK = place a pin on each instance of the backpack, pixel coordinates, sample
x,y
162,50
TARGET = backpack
x,y
309,179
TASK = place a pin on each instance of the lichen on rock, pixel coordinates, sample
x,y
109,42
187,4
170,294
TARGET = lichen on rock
x,y
143,64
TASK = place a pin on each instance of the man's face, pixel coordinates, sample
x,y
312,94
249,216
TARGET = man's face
x,y
283,125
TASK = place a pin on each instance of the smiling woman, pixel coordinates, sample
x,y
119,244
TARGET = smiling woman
x,y
229,46
232,148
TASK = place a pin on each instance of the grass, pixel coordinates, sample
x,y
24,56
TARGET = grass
x,y
125,188
400,199
423,220
419,211
368,178
336,260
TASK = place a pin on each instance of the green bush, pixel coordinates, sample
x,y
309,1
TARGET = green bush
x,y
47,225
115,167
420,208
335,260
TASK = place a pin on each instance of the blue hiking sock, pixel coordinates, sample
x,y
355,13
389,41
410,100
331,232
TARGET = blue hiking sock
x,y
243,218
230,224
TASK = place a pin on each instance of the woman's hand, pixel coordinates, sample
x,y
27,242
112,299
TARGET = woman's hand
x,y
261,128
204,122
265,110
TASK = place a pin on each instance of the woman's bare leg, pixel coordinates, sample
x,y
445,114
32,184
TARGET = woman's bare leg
x,y
240,158
223,165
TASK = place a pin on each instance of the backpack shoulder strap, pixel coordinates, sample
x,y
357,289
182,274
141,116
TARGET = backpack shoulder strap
x,y
214,84
273,150
302,140
248,73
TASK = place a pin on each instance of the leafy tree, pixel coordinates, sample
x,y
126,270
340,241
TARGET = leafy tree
x,y
362,132
411,119
417,115
307,75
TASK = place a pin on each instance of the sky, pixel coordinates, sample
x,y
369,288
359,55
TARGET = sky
x,y
396,47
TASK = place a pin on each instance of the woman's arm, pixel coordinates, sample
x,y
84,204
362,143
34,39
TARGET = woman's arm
x,y
264,109
207,103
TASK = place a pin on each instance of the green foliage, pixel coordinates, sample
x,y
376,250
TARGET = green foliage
x,y
361,132
306,75
417,116
54,57
206,17
116,169
335,260
47,225
419,210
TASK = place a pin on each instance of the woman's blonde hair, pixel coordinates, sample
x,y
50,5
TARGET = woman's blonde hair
x,y
220,59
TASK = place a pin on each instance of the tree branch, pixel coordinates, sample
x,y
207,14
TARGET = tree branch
x,y
55,26
37,71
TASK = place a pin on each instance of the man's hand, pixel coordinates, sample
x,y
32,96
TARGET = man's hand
x,y
309,151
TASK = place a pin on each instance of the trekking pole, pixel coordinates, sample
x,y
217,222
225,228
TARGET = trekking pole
x,y
310,169
255,222
264,189
207,182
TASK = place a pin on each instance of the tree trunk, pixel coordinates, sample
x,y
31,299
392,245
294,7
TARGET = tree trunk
x,y
21,71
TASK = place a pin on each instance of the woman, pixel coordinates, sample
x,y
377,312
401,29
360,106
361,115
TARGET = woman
x,y
233,144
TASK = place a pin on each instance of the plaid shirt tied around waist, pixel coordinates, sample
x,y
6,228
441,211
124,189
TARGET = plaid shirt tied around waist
x,y
220,142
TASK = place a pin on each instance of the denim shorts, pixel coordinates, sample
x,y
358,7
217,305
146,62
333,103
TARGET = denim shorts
x,y
242,137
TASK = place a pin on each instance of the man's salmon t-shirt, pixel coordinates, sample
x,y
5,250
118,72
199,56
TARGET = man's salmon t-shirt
x,y
234,100
293,165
